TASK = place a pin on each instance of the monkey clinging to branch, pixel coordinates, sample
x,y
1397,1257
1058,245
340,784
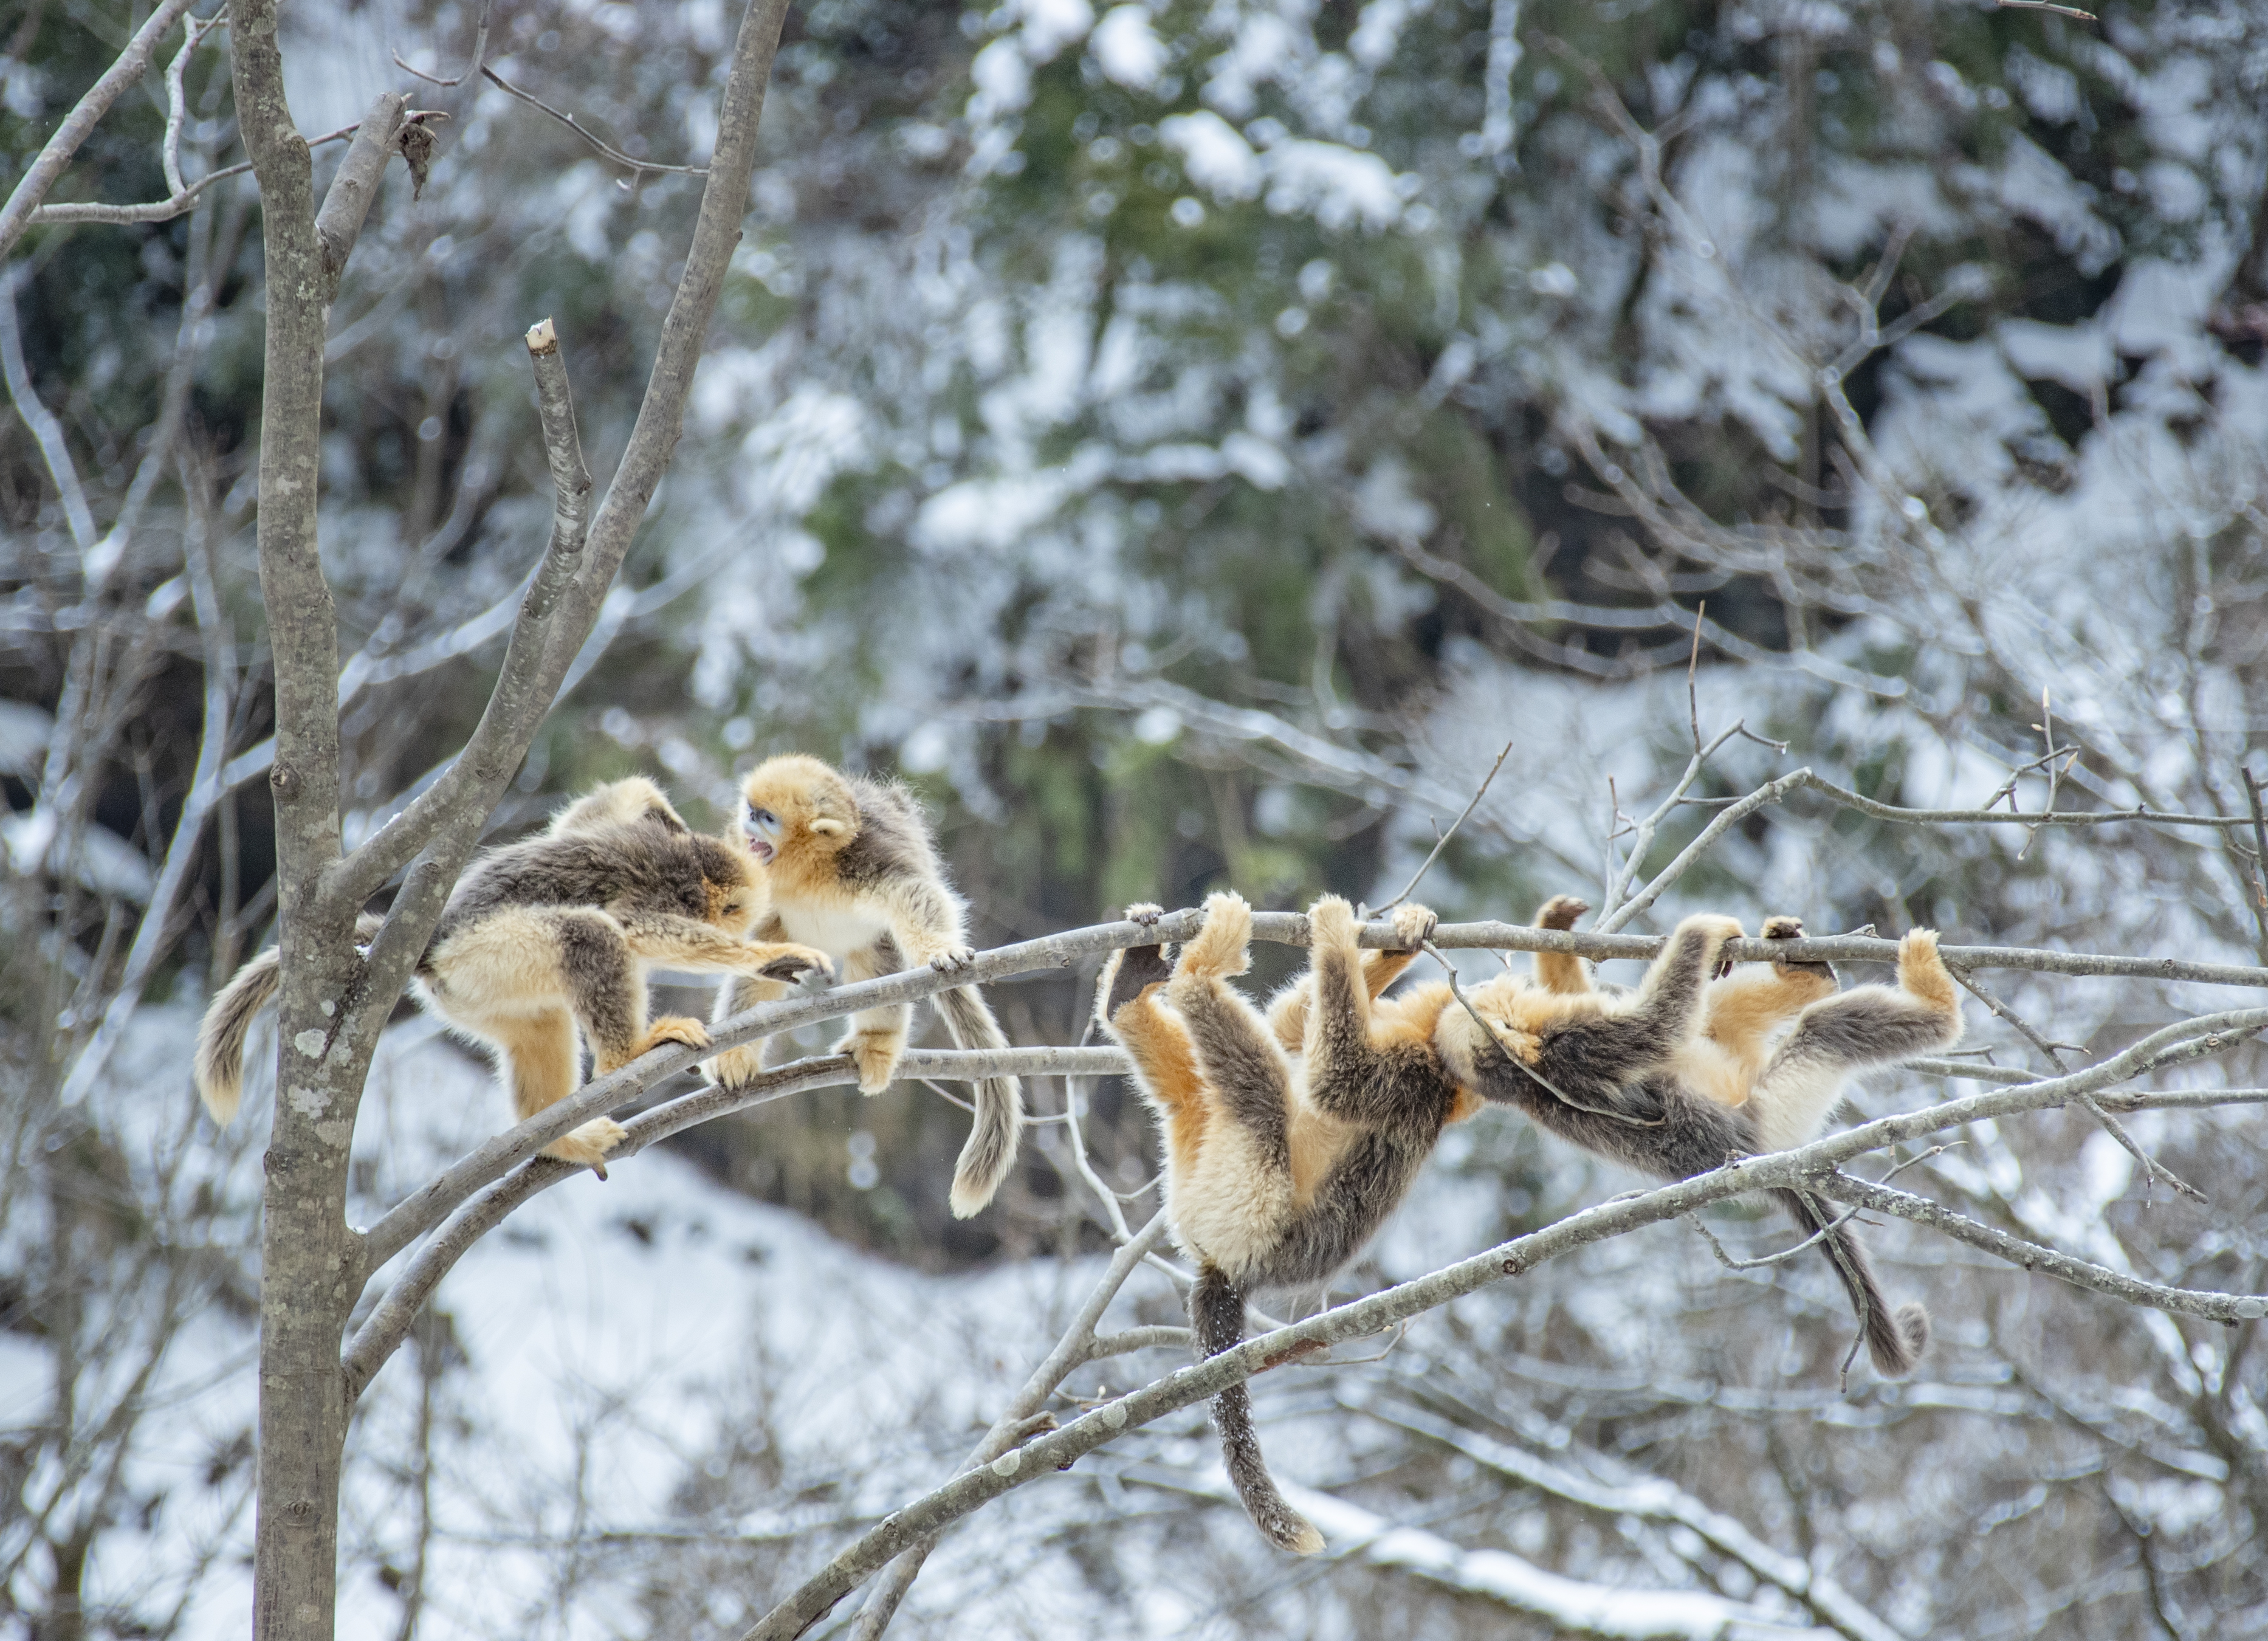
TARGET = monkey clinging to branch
x,y
1279,1170
556,933
1685,1073
853,870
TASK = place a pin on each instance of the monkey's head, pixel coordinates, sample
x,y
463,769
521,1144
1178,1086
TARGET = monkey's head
x,y
631,800
1469,1056
795,803
728,877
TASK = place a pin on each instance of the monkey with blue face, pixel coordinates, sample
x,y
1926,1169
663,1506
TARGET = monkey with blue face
x,y
852,870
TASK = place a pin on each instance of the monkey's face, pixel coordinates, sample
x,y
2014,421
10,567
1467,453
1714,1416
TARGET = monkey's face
x,y
794,803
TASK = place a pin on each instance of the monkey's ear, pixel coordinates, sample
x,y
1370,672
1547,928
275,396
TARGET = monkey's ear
x,y
829,828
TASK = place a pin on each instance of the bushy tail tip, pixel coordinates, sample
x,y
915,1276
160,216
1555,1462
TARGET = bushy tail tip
x,y
218,1067
990,1149
1896,1342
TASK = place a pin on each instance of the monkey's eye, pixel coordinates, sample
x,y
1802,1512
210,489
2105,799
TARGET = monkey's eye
x,y
731,908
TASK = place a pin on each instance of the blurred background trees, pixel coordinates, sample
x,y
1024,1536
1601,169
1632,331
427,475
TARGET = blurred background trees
x,y
1186,442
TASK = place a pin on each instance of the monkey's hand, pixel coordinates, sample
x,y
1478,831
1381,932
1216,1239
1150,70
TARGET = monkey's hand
x,y
1785,928
952,959
1561,911
788,962
1330,923
1145,914
1414,924
1714,930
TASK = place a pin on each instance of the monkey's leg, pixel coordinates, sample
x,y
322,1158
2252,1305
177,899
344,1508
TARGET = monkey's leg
x,y
606,988
1350,1072
1868,1025
737,1066
1238,1061
1287,1010
925,924
1556,971
1745,1007
542,1063
876,1041
1165,1071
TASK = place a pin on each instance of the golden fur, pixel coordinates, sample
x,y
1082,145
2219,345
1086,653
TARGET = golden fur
x,y
852,870
1288,1138
554,934
1692,1069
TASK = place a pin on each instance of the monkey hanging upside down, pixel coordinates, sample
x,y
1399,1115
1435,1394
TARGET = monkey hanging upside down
x,y
543,937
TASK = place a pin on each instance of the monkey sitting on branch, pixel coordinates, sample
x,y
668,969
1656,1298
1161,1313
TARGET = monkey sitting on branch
x,y
1279,1169
553,933
853,870
1687,1072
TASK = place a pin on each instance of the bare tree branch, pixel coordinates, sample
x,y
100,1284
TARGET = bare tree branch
x,y
46,432
2015,1249
48,165
1076,1347
597,142
1811,1167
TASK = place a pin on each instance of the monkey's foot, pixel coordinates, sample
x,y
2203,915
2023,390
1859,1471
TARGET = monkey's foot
x,y
1125,976
952,961
736,1067
1922,972
790,962
1220,947
876,1055
1561,911
1143,912
673,1028
587,1147
1782,928
1331,923
1414,924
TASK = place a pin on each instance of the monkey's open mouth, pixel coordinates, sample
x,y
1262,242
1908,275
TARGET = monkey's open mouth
x,y
761,850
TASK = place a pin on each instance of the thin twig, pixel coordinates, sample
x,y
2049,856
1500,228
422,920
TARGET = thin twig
x,y
480,55
2152,1168
1693,664
2047,5
587,134
1442,841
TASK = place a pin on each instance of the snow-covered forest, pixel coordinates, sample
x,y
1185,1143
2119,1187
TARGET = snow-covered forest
x,y
1185,441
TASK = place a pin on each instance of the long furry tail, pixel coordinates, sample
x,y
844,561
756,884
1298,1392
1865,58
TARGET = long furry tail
x,y
991,1148
218,1068
1217,1315
1897,1338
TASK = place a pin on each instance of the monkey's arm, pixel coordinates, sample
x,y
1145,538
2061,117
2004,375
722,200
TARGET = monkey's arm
x,y
678,942
924,919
